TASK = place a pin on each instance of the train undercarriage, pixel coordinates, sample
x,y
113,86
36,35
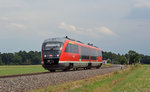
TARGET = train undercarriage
x,y
53,65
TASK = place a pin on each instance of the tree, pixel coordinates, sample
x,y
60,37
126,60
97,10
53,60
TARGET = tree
x,y
28,62
35,60
23,55
7,58
145,59
123,60
17,59
1,62
133,57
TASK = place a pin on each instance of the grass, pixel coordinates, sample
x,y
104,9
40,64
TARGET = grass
x,y
20,69
133,79
107,65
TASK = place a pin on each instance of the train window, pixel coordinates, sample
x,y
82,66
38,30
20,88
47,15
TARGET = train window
x,y
51,46
71,48
85,53
93,54
74,48
100,53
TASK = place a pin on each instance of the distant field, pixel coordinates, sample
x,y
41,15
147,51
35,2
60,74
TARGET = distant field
x,y
20,69
133,79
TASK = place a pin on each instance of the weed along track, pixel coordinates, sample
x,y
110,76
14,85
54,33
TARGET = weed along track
x,y
23,83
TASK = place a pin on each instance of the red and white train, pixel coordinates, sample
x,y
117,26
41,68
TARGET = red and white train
x,y
65,53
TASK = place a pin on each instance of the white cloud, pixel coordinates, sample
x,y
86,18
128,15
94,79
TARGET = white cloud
x,y
142,3
67,27
93,32
106,31
17,26
10,24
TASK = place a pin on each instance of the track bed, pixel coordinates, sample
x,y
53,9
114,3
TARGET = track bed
x,y
26,83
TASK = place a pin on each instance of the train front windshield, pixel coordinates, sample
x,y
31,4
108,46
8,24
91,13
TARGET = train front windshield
x,y
52,49
52,46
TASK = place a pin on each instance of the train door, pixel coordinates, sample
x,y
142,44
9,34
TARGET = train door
x,y
97,56
80,56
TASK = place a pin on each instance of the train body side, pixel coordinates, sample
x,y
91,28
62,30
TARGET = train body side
x,y
75,57
66,56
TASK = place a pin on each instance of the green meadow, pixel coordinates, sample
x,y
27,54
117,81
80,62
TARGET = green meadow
x,y
135,78
20,69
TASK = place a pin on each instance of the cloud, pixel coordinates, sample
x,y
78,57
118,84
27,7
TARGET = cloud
x,y
142,3
141,10
106,31
93,32
9,23
4,18
17,26
64,26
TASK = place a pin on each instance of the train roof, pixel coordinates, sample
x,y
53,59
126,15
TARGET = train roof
x,y
62,39
59,39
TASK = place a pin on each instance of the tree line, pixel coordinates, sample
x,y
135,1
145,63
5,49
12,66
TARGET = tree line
x,y
20,58
34,57
131,57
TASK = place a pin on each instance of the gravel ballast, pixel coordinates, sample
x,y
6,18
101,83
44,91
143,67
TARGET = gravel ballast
x,y
26,83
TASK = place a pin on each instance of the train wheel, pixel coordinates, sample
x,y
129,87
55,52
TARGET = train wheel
x,y
52,70
74,69
70,65
98,66
89,66
85,68
65,69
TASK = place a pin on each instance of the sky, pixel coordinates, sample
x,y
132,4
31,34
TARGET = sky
x,y
112,25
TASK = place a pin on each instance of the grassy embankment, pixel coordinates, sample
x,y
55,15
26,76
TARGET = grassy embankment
x,y
20,69
133,79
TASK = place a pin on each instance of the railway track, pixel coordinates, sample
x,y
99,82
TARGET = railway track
x,y
30,74
27,82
